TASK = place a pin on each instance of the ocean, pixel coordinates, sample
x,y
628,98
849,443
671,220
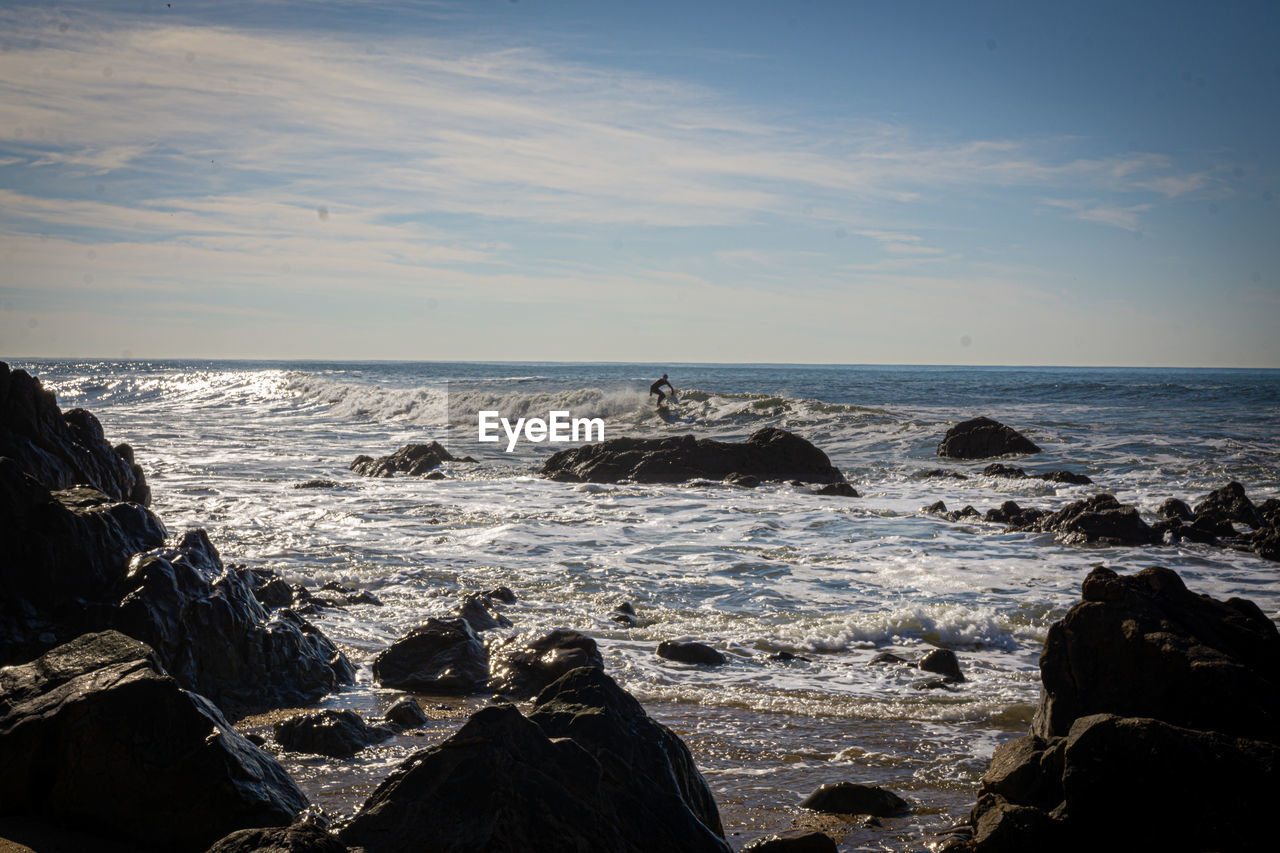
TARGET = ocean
x,y
752,572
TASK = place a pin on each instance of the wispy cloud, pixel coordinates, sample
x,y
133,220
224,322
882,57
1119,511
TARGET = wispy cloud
x,y
1104,214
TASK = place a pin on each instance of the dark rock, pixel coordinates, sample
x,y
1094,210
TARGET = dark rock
x,y
938,474
439,656
61,450
215,638
840,490
943,662
933,684
982,438
406,713
965,513
481,614
769,454
274,594
1100,520
886,659
625,607
501,593
690,652
1017,518
503,783
302,837
787,657
625,614
342,595
1230,503
1174,508
793,842
412,459
63,556
318,484
1011,472
851,798
936,508
589,707
525,664
95,735
340,734
1144,646
746,481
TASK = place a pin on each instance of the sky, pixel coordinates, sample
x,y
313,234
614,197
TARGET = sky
x,y
792,182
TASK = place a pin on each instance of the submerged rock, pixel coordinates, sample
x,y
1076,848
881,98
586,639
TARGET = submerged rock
x,y
854,799
340,734
95,735
214,636
690,652
587,770
1011,472
769,454
439,656
839,490
982,438
943,662
412,459
1151,694
525,664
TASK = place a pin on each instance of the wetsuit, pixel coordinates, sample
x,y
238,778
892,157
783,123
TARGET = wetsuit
x,y
656,388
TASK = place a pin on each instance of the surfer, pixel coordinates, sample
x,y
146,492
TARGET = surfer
x,y
656,388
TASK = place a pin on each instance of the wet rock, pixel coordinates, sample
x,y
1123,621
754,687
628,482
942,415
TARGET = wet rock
x,y
301,837
982,438
340,734
625,614
215,638
887,659
938,474
61,450
95,734
412,459
318,484
501,593
63,556
746,481
936,508
840,490
1100,520
1017,518
481,613
854,799
769,454
1229,504
1174,508
943,662
793,842
271,590
690,652
525,664
1011,472
787,657
405,713
439,656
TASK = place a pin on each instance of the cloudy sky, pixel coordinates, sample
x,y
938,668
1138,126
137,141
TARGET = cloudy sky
x,y
841,182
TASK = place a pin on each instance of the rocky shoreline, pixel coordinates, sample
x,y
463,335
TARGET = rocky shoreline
x,y
129,654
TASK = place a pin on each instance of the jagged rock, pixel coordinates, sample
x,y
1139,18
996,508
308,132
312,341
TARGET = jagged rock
x,y
587,770
943,662
769,454
625,614
302,837
982,438
405,713
525,664
1230,503
1017,518
1100,520
793,842
439,656
481,613
855,799
412,459
690,652
95,735
215,638
1010,472
318,484
63,556
501,593
839,490
1174,508
340,734
61,450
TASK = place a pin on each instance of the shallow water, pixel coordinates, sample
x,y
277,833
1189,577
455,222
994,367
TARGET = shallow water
x,y
752,572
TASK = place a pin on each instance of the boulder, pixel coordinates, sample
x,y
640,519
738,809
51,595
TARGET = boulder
x,y
340,734
214,636
526,663
839,490
690,652
854,799
943,662
1229,504
94,735
302,837
1014,516
1099,520
405,713
504,783
63,556
59,449
481,613
439,656
983,438
412,459
768,454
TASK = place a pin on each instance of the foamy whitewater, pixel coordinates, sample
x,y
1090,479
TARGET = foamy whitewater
x,y
751,572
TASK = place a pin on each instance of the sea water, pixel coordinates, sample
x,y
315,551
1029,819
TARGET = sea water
x,y
753,572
